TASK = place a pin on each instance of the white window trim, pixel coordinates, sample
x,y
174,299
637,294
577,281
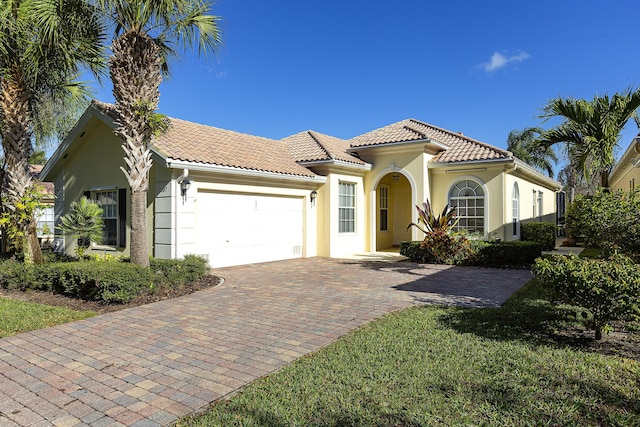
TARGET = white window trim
x,y
487,197
354,207
380,208
515,210
102,246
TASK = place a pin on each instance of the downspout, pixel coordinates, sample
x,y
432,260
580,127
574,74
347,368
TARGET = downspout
x,y
505,204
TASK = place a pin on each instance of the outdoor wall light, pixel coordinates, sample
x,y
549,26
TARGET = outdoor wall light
x,y
184,186
313,196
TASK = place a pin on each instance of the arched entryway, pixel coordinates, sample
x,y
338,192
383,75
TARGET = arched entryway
x,y
393,211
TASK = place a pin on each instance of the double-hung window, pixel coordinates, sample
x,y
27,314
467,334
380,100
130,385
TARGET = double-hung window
x,y
347,207
114,211
384,208
108,201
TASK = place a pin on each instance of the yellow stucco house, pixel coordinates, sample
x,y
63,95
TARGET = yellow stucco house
x,y
626,174
253,199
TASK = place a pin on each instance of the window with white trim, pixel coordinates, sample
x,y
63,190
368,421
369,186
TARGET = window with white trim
x,y
45,221
515,210
108,201
468,197
384,208
346,207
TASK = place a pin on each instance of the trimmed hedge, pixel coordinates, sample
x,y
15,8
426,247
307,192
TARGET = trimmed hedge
x,y
113,281
486,254
540,232
513,254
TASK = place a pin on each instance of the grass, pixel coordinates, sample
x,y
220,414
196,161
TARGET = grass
x,y
19,316
443,366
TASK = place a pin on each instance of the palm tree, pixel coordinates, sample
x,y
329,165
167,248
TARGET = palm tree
x,y
144,33
591,129
43,45
523,145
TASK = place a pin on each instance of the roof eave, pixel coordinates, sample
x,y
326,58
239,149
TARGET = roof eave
x,y
335,162
398,143
205,167
630,158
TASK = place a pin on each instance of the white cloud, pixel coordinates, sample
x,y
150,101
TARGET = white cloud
x,y
498,60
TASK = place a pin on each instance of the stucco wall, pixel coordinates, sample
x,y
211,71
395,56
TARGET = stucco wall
x,y
627,179
92,164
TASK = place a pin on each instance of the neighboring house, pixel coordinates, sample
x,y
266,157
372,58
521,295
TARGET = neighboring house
x,y
44,216
254,199
626,173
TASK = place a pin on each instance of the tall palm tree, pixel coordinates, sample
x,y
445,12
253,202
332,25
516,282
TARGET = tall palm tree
x,y
522,143
43,45
145,34
591,129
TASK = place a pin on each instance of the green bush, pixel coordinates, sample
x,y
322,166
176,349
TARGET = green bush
x,y
540,232
16,275
438,247
479,253
608,220
607,290
94,280
111,280
176,272
415,252
506,254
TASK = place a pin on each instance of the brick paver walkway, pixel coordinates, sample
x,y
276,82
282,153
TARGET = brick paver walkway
x,y
150,365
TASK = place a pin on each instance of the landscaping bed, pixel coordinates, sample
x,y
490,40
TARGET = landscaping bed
x,y
57,300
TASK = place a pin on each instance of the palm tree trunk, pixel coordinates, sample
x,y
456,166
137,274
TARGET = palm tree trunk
x,y
15,116
136,73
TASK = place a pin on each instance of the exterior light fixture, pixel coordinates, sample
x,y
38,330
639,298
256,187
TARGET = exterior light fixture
x,y
313,196
184,186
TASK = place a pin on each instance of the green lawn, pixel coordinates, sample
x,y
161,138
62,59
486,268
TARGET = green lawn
x,y
443,366
19,316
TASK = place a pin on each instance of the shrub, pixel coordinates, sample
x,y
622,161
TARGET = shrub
x,y
608,220
112,279
540,232
607,289
15,275
176,272
92,280
415,252
506,254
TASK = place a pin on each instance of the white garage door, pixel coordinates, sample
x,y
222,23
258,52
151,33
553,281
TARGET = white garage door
x,y
233,229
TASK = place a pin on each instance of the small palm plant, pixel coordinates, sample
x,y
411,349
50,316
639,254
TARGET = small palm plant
x,y
83,222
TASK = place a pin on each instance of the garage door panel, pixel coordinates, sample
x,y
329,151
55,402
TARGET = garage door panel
x,y
234,229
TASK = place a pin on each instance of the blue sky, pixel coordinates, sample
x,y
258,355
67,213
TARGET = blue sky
x,y
344,67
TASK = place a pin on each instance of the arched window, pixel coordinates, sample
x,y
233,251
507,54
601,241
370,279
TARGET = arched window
x,y
468,198
515,211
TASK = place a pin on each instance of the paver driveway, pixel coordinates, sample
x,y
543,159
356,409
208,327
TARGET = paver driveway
x,y
148,366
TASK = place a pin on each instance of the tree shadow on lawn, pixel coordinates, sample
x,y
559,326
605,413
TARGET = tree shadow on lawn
x,y
529,316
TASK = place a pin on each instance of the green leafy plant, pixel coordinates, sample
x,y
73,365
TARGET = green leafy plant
x,y
607,290
83,222
439,244
607,220
18,219
543,233
428,221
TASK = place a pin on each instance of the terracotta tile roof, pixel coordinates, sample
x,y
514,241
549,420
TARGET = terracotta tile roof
x,y
313,146
194,142
34,171
460,148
